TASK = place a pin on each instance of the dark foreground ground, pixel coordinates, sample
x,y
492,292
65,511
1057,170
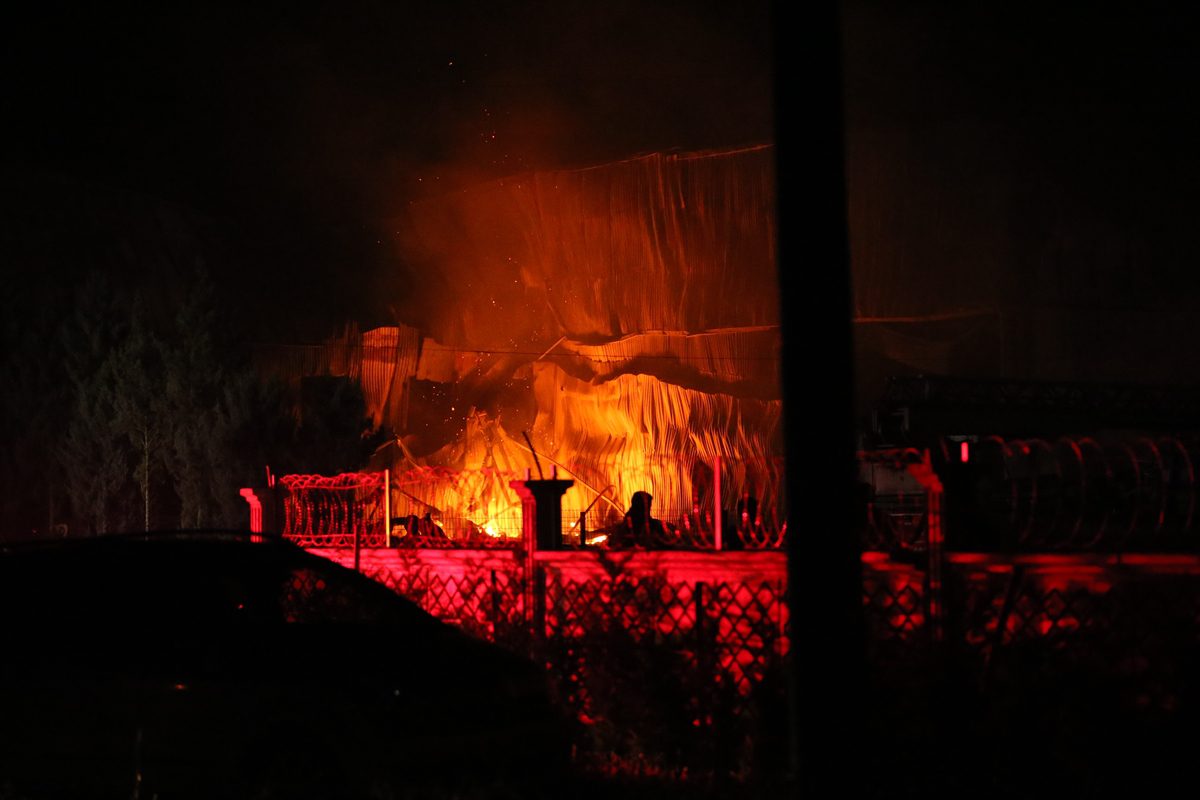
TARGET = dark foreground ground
x,y
1040,730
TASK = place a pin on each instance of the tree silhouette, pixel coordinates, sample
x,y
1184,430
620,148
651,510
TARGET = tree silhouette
x,y
33,407
192,387
136,378
164,413
93,453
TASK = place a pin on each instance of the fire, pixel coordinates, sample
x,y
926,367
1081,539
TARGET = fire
x,y
631,433
625,316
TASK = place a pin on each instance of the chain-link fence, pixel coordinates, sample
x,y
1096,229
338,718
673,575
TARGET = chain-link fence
x,y
1051,650
1069,675
665,671
486,601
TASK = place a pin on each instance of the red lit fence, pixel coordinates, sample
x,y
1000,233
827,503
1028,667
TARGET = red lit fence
x,y
667,641
334,511
1132,624
435,507
730,605
687,644
635,642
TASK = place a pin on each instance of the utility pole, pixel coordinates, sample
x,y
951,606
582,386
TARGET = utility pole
x,y
824,559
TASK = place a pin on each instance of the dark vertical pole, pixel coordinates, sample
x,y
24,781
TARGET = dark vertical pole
x,y
538,576
824,559
529,565
495,597
357,545
705,664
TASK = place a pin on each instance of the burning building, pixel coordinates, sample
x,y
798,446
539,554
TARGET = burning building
x,y
617,323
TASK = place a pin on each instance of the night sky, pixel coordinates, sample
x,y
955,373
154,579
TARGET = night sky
x,y
1094,110
1039,161
1032,157
296,131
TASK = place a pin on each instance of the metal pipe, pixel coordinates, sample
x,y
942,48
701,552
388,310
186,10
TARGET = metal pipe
x,y
578,480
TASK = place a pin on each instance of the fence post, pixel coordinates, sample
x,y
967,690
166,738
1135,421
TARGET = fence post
x,y
704,660
541,529
256,510
495,606
387,508
936,610
718,507
538,577
929,480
